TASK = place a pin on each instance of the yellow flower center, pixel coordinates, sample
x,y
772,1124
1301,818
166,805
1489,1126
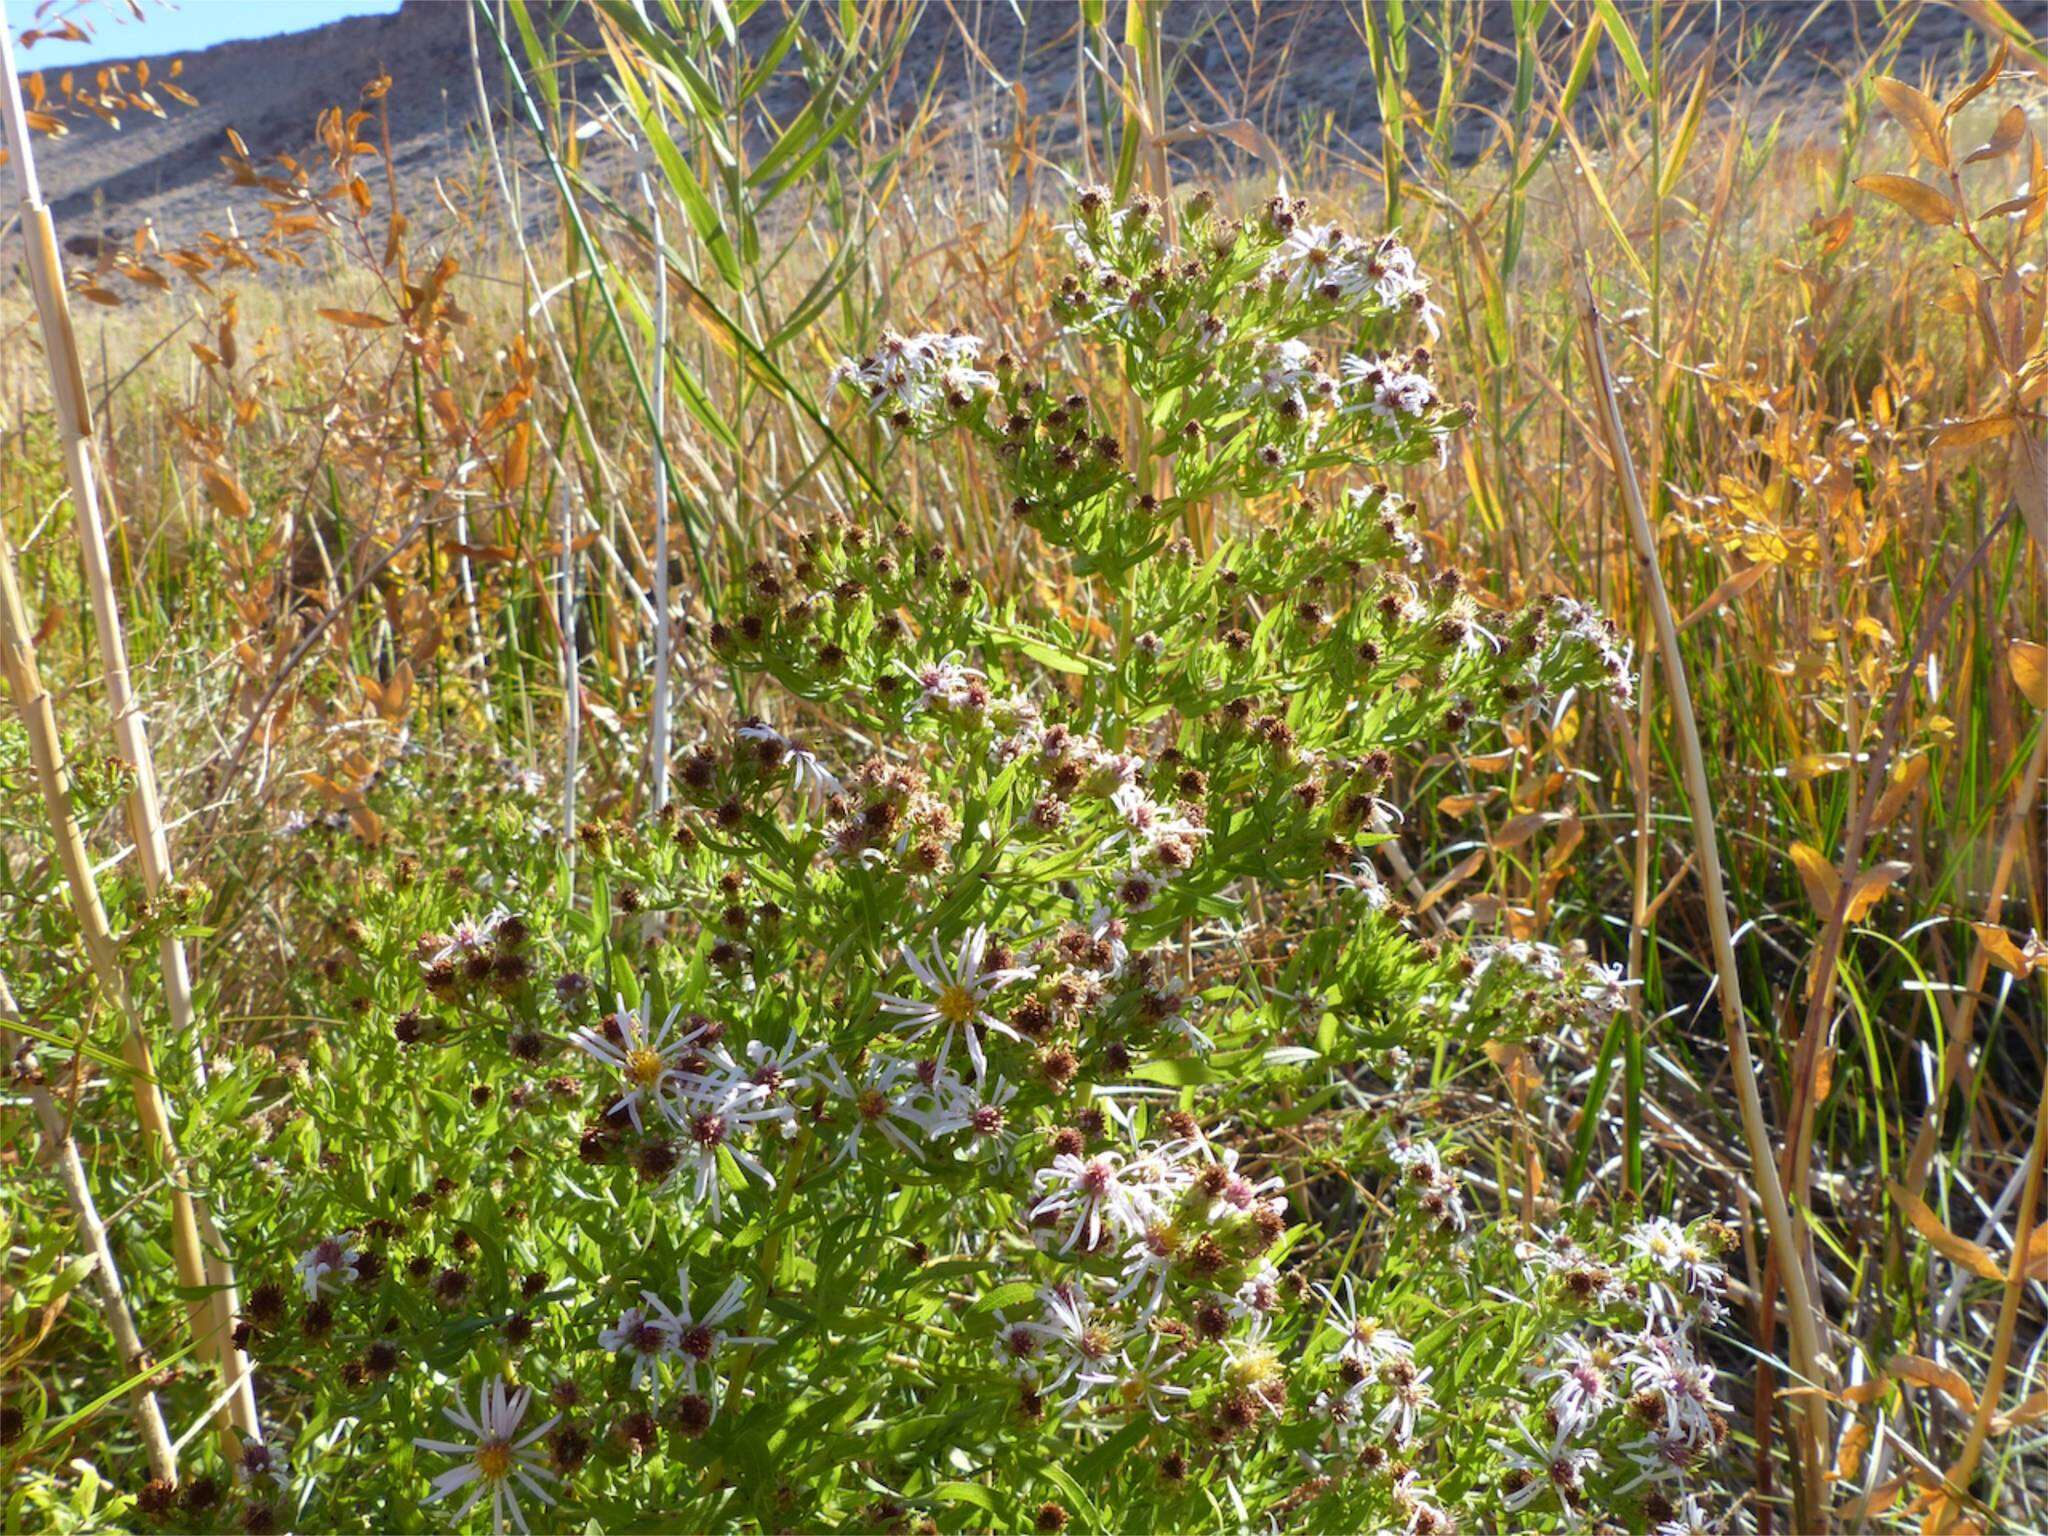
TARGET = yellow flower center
x,y
644,1066
956,1004
1253,1367
494,1460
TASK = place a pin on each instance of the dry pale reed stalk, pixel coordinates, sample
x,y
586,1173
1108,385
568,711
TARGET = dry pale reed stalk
x,y
1802,1316
46,755
664,636
572,703
540,309
145,815
106,1274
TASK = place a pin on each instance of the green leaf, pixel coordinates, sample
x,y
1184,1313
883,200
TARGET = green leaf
x,y
1008,1294
1178,1072
965,1493
1624,42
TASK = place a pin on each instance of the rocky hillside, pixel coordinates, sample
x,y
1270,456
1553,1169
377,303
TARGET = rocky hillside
x,y
1289,65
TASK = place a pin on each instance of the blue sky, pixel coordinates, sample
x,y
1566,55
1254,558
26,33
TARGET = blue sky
x,y
184,27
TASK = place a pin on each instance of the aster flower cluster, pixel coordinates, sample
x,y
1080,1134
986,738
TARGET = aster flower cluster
x,y
917,383
1008,1040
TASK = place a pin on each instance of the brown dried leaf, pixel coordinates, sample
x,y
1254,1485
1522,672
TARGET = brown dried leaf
x,y
2034,1407
355,319
367,824
1960,1251
1517,830
225,492
1464,870
1944,1379
2005,138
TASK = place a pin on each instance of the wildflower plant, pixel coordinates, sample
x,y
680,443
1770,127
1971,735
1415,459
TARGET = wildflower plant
x,y
1016,1102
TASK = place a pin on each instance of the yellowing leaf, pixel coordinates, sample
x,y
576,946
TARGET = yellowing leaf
x,y
2029,663
1727,592
1811,765
396,701
1916,197
1855,1441
2021,960
1959,1251
1918,115
1967,434
1460,805
2036,1266
355,319
1872,884
1906,778
1817,874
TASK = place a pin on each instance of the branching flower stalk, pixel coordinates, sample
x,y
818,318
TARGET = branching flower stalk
x,y
926,1072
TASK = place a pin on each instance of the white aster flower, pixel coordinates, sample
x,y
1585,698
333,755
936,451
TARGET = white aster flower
x,y
1584,1374
645,1340
324,1265
644,1057
701,1337
957,994
494,1461
884,1100
1093,1194
1089,1353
